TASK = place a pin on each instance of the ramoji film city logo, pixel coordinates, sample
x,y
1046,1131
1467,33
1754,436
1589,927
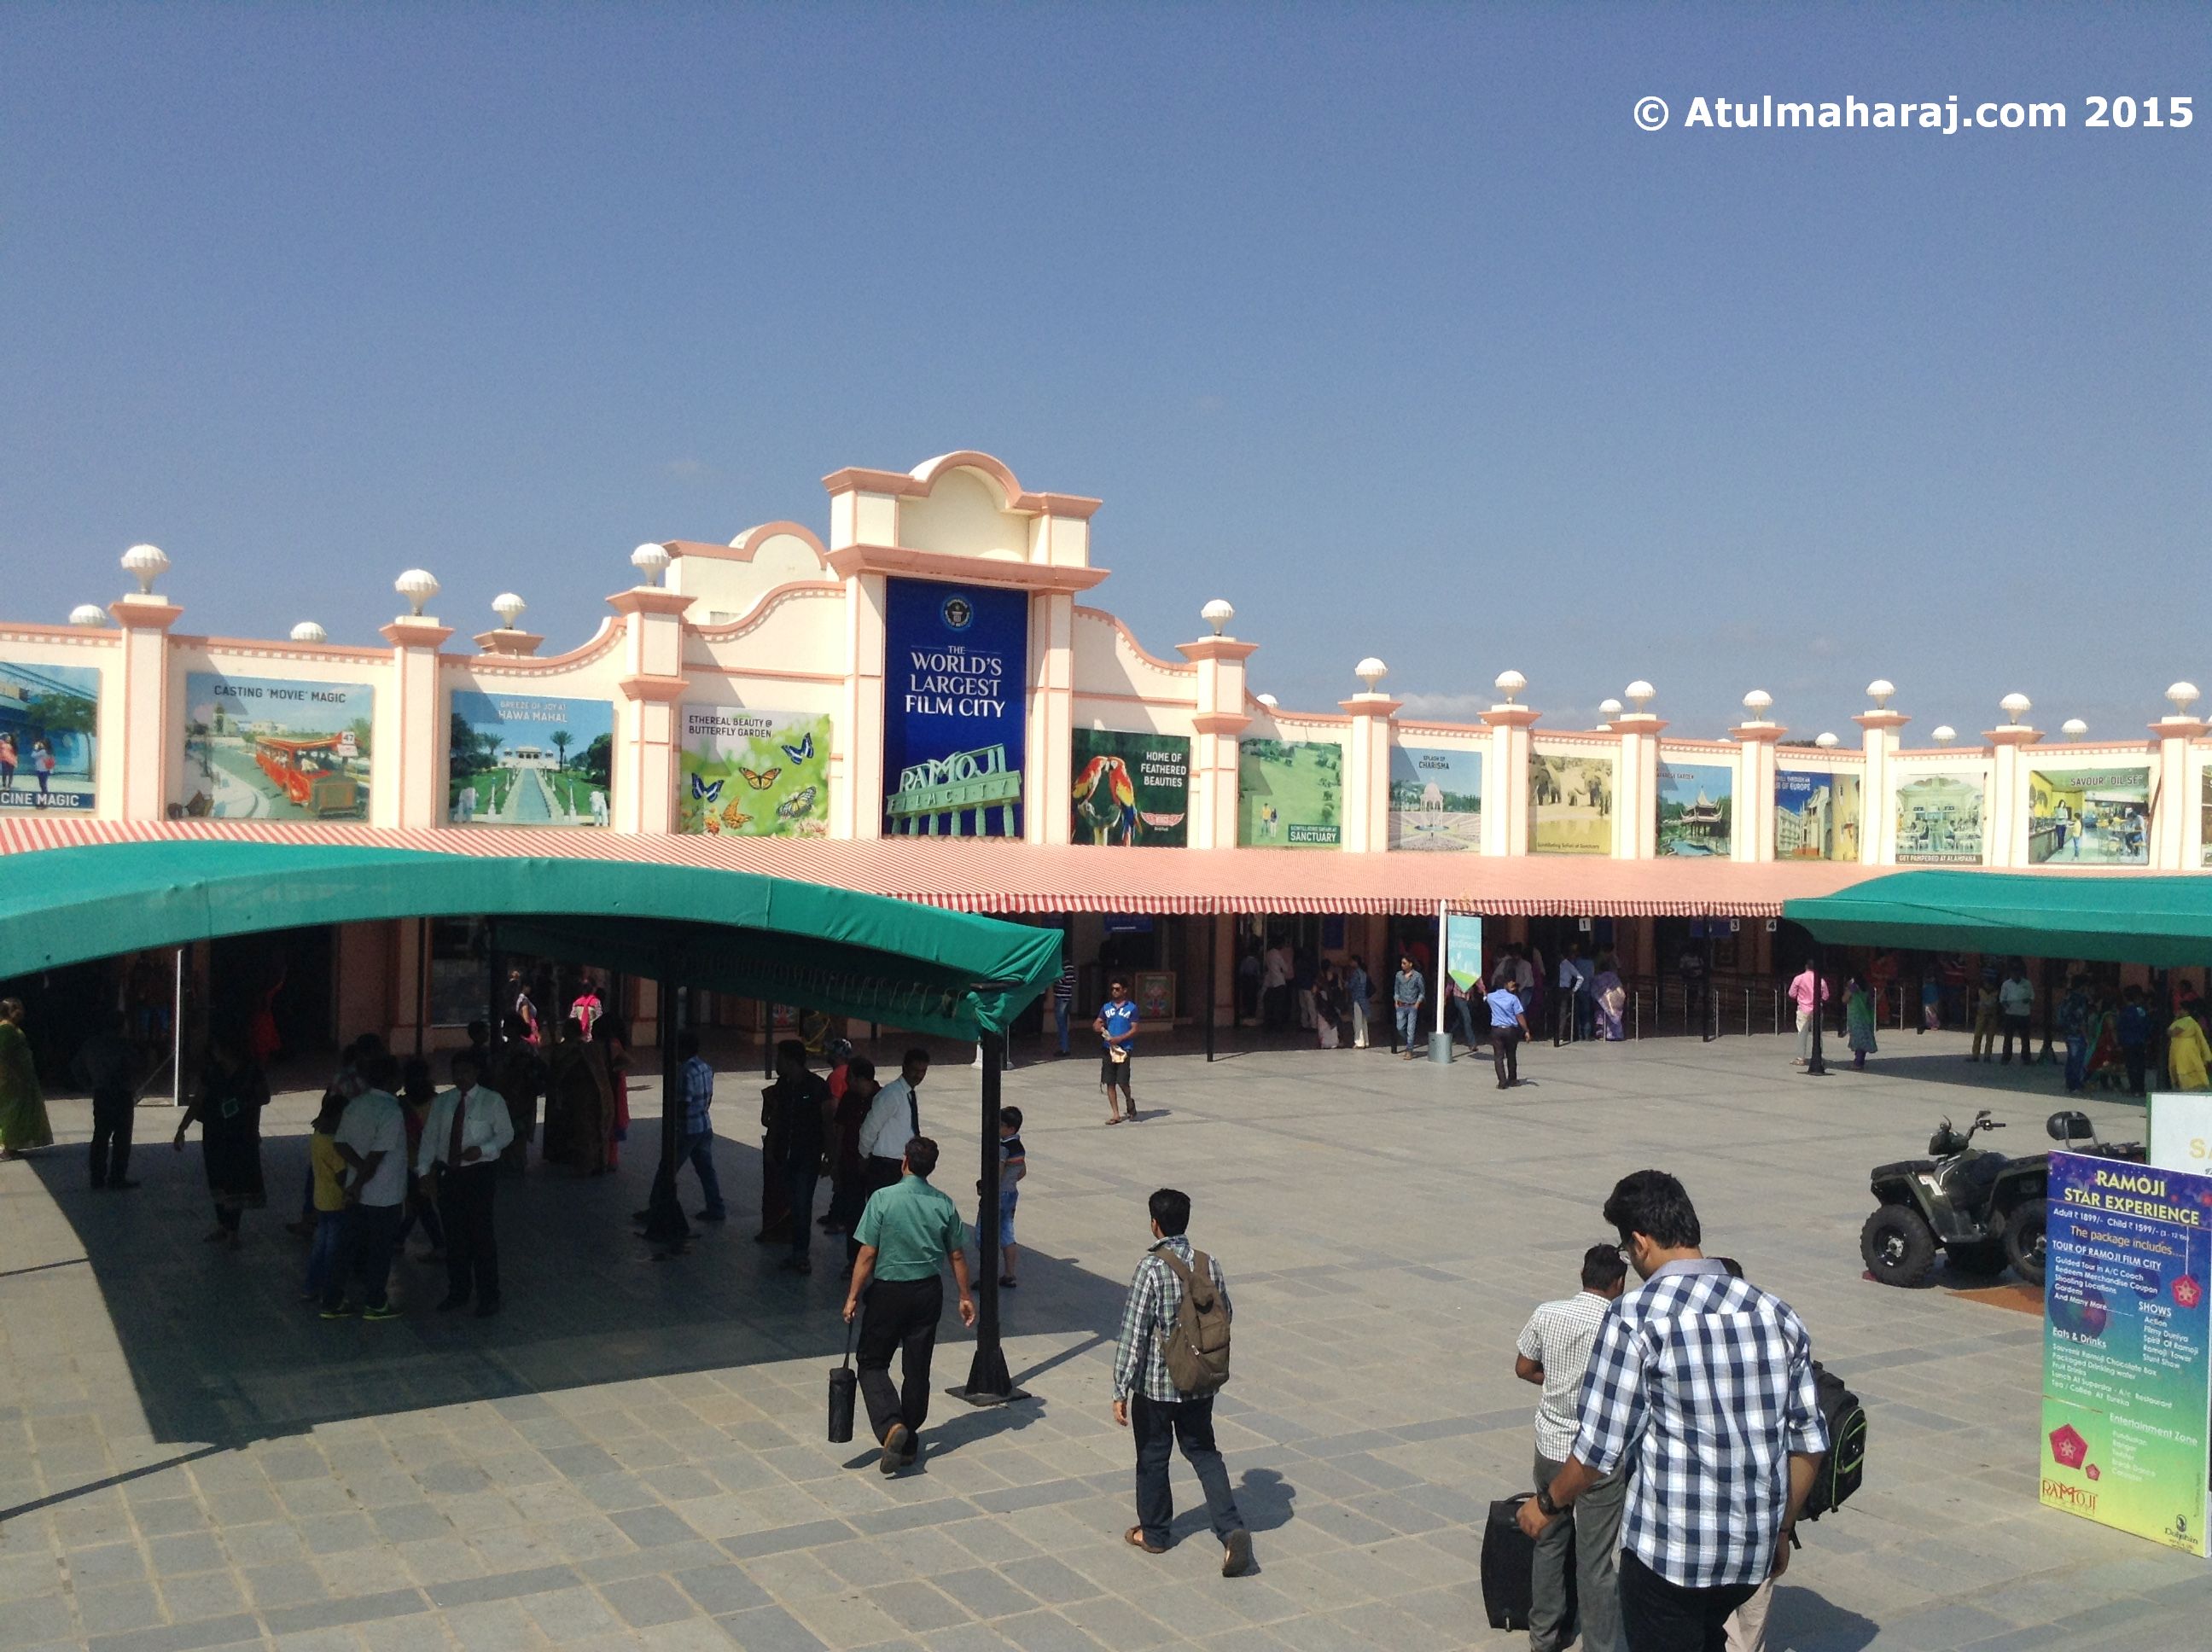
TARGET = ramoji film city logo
x,y
958,613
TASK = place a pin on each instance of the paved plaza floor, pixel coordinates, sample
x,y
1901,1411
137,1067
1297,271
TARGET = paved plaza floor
x,y
632,1454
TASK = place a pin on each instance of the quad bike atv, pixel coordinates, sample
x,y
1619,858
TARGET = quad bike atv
x,y
1982,1209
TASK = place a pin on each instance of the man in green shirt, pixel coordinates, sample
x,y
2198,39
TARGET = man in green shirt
x,y
907,1234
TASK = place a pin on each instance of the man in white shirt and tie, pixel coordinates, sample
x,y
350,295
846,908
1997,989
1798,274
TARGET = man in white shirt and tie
x,y
469,1127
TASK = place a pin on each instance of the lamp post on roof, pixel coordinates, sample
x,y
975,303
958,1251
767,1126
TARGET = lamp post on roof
x,y
1879,692
1370,670
2074,728
2013,705
1218,614
1509,684
308,631
145,563
508,607
1267,700
1826,741
89,614
1608,709
652,560
418,586
1759,703
1944,734
1640,693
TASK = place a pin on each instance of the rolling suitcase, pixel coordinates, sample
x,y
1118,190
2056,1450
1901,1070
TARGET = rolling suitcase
x,y
1509,1556
844,1391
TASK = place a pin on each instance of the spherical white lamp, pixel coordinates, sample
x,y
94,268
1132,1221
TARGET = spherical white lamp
x,y
418,586
1759,703
1826,741
1641,694
1218,614
308,631
2012,705
2181,694
90,615
145,563
508,607
1509,684
1370,670
1879,692
1609,709
2074,728
1945,734
652,560
1268,700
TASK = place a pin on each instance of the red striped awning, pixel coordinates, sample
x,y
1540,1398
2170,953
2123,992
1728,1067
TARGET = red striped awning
x,y
999,877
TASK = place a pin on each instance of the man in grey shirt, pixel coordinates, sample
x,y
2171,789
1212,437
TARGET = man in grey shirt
x,y
1554,1350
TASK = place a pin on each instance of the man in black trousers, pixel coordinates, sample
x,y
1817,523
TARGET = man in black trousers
x,y
469,1127
908,1233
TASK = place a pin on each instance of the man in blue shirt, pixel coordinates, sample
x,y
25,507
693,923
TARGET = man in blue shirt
x,y
1116,1027
1509,1025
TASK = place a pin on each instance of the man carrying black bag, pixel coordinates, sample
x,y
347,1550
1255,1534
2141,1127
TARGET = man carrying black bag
x,y
906,1235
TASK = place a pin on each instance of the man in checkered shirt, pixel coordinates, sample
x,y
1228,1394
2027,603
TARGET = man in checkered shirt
x,y
1145,1397
1703,1385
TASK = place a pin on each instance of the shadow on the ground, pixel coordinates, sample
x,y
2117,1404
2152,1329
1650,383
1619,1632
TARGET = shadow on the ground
x,y
222,1348
1801,1621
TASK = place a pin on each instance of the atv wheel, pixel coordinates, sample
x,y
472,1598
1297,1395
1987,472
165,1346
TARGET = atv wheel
x,y
1983,1258
2023,1239
1898,1246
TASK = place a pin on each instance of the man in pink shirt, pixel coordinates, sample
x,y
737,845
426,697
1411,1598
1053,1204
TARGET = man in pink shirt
x,y
1805,992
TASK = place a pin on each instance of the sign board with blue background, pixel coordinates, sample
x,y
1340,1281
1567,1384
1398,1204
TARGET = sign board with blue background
x,y
956,661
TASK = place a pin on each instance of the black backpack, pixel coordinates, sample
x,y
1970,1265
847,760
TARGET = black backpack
x,y
1841,1470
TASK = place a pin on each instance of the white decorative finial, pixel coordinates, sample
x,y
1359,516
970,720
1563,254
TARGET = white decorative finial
x,y
308,631
2012,705
1267,700
1879,692
146,563
1945,734
1370,670
508,607
90,615
1826,741
1218,614
2181,694
651,560
1758,702
1509,684
1609,709
1641,693
418,586
2074,728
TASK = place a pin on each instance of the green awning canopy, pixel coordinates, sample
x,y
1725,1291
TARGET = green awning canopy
x,y
785,942
2129,920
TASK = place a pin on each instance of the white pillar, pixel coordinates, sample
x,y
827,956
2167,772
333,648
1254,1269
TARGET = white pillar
x,y
648,732
1755,816
413,794
2175,825
1220,718
1367,771
144,714
2004,837
1505,786
1878,792
1636,802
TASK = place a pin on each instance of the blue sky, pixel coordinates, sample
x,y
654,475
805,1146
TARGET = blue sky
x,y
1386,322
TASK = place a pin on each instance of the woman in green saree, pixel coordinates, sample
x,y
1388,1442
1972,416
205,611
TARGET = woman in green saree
x,y
23,1123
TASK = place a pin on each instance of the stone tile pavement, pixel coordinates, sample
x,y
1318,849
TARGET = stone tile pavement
x,y
633,1453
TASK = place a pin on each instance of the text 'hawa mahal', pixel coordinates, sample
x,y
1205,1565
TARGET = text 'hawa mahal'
x,y
924,704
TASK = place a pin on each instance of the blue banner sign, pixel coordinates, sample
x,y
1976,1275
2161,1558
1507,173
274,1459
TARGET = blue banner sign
x,y
956,657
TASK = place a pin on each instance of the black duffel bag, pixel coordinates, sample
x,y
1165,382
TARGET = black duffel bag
x,y
844,1393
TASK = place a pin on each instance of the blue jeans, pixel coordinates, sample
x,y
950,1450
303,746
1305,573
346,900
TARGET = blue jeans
x,y
329,1225
1060,1009
2077,1061
1409,1018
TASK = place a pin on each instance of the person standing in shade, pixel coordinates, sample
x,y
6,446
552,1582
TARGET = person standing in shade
x,y
1408,991
1553,1351
1508,1029
1013,1165
372,1139
1146,1399
2015,1008
1987,1014
1700,1387
1858,1022
1063,1001
849,1182
1359,994
2132,1026
107,1065
23,1122
517,1073
698,1148
908,1233
228,1110
894,1119
1116,1027
800,1103
468,1128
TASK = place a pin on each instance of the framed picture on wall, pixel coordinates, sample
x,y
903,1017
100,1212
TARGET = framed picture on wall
x,y
1156,994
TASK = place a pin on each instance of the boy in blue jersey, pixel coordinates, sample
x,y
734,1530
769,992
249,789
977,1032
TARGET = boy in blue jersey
x,y
1116,1027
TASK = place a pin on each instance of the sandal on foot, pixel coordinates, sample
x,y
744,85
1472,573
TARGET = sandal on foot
x,y
1135,1538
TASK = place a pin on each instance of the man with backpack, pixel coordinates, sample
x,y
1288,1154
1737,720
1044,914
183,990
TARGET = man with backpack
x,y
1702,1385
1173,1358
